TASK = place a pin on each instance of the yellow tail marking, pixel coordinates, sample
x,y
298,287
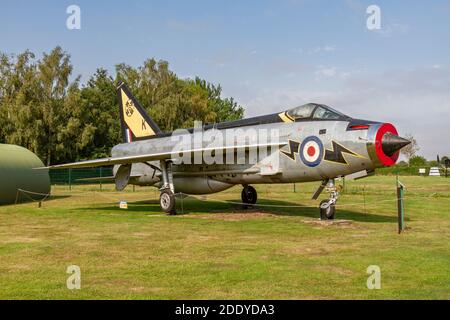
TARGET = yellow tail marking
x,y
285,117
134,120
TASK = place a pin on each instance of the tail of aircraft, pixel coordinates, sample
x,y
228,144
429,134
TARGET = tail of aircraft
x,y
136,123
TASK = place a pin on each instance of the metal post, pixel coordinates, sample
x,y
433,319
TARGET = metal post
x,y
100,178
400,206
399,209
294,188
343,182
182,204
364,198
446,168
70,179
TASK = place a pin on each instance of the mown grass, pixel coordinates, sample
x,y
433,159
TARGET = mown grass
x,y
217,250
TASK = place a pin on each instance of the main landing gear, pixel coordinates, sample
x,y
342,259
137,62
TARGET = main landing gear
x,y
167,201
327,207
167,196
249,195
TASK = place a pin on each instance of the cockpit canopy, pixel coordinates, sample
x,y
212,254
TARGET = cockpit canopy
x,y
315,111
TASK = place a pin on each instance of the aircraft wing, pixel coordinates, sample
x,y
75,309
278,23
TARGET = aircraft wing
x,y
110,178
154,156
104,179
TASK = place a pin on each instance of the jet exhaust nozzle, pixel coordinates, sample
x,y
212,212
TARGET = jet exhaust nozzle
x,y
391,143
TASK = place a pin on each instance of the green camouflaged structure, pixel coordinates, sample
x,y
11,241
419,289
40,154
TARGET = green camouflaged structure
x,y
16,172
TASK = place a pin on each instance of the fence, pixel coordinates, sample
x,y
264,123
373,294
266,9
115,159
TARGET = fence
x,y
408,171
80,176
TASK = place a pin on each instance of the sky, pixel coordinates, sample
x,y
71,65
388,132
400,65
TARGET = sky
x,y
269,55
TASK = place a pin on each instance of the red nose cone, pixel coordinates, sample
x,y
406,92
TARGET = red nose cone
x,y
385,159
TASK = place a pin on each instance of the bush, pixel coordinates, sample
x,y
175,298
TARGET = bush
x,y
433,163
417,161
401,170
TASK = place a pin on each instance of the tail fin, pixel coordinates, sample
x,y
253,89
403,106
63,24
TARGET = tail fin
x,y
136,123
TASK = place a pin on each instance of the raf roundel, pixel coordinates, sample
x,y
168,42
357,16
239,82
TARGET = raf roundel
x,y
311,151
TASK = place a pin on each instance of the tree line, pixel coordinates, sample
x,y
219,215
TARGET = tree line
x,y
63,120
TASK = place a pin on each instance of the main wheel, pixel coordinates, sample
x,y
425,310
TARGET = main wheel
x,y
249,195
167,201
327,211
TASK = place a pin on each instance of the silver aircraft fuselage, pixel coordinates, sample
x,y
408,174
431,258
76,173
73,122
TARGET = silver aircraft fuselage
x,y
343,151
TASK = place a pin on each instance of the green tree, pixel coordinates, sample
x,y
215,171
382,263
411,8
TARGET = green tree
x,y
433,163
176,103
19,96
225,109
40,107
417,161
54,71
5,74
100,105
62,121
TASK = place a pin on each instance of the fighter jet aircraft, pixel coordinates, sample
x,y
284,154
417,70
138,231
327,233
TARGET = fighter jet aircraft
x,y
312,142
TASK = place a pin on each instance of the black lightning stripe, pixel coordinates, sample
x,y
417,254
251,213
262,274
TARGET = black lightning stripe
x,y
293,149
336,154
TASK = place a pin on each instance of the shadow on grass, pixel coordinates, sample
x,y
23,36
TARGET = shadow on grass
x,y
57,197
276,207
30,200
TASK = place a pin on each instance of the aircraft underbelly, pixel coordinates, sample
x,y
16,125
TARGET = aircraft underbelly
x,y
199,185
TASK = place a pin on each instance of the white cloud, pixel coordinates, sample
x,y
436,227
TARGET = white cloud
x,y
392,29
315,50
416,101
325,72
326,48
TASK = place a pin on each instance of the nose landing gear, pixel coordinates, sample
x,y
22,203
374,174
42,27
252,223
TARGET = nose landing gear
x,y
327,210
327,207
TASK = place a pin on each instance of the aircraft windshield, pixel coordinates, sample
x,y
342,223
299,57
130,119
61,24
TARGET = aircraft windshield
x,y
315,111
327,113
302,112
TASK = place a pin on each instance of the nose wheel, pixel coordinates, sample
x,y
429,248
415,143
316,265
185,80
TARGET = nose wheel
x,y
327,207
249,195
327,210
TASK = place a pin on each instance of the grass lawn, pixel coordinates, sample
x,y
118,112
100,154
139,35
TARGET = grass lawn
x,y
217,250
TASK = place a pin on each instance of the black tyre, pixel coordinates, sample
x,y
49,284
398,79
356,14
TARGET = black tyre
x,y
249,195
327,211
167,201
